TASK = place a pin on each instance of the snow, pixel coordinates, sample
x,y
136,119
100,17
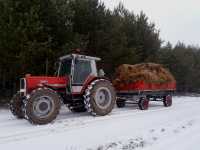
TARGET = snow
x,y
159,128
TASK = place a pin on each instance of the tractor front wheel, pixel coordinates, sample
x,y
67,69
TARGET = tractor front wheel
x,y
42,107
100,97
16,105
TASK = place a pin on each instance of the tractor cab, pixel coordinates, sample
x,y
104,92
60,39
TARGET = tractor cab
x,y
79,69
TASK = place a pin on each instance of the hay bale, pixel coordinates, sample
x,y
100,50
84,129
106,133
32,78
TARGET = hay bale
x,y
147,72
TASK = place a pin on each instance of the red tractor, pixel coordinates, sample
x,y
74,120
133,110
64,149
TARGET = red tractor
x,y
77,84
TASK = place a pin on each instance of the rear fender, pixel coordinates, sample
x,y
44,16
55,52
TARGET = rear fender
x,y
90,80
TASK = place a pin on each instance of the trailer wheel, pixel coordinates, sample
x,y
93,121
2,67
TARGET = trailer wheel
x,y
16,105
167,101
100,97
42,107
120,103
143,104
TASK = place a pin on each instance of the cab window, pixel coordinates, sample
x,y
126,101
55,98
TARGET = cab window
x,y
82,70
65,68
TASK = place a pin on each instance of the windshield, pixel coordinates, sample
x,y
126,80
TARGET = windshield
x,y
65,67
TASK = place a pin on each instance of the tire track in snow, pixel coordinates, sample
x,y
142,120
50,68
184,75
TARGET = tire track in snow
x,y
68,115
64,125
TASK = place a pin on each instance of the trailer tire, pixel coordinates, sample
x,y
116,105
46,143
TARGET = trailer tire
x,y
16,105
143,103
167,101
120,103
42,107
100,97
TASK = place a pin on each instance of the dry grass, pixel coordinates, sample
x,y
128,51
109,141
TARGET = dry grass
x,y
147,72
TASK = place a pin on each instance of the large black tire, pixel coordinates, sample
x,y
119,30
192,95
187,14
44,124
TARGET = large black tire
x,y
16,105
121,103
167,101
143,103
100,97
42,107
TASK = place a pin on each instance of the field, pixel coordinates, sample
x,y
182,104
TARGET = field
x,y
159,128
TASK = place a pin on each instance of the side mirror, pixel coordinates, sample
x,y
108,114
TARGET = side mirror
x,y
101,73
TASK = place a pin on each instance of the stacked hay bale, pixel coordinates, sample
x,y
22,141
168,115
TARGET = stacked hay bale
x,y
147,72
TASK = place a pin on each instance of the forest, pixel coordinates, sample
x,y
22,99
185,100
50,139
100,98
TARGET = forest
x,y
34,33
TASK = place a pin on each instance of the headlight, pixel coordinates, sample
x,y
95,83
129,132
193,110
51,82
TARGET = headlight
x,y
23,87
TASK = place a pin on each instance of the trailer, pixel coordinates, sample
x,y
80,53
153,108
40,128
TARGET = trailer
x,y
141,93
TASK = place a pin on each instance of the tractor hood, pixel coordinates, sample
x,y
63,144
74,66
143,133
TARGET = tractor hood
x,y
34,82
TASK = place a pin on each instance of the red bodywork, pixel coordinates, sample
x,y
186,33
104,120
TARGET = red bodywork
x,y
142,86
59,83
34,82
89,80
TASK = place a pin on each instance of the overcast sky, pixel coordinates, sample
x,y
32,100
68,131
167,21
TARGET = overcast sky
x,y
177,20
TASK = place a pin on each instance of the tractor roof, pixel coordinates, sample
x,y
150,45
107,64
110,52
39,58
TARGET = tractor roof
x,y
79,56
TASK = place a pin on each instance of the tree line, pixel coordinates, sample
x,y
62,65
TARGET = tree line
x,y
184,63
35,33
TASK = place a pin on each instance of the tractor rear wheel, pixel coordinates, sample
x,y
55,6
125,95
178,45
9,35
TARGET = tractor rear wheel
x,y
100,97
143,103
42,107
16,105
167,101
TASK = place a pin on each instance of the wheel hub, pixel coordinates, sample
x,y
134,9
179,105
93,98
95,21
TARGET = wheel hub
x,y
103,97
43,106
145,104
168,100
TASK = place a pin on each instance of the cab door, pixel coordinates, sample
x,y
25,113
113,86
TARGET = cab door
x,y
82,69
65,70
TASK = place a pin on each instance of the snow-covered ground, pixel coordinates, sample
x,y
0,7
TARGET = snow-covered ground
x,y
159,128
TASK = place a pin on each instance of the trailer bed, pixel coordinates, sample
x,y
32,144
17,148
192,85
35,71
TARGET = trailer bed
x,y
142,86
142,93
